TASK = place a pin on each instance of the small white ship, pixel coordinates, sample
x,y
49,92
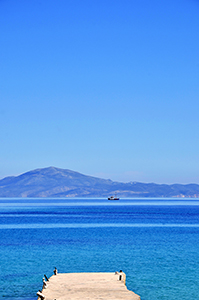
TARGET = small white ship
x,y
113,198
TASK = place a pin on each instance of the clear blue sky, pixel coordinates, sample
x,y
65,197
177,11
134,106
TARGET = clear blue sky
x,y
106,88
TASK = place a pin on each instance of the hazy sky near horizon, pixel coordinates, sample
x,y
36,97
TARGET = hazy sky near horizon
x,y
105,88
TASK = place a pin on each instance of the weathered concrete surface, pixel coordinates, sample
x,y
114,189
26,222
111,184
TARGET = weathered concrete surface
x,y
87,286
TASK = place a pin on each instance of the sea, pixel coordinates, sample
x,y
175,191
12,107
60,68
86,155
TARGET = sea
x,y
154,241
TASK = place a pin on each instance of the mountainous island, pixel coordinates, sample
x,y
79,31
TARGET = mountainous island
x,y
56,182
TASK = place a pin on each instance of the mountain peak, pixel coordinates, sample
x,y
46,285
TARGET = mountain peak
x,y
57,182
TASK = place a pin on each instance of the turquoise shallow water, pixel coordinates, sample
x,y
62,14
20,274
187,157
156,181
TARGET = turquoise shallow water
x,y
154,241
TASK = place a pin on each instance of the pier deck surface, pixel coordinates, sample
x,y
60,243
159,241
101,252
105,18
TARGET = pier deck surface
x,y
87,286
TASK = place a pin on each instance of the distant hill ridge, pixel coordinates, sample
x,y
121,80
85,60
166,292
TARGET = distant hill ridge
x,y
56,182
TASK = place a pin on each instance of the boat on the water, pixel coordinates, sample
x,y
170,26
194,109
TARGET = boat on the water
x,y
113,198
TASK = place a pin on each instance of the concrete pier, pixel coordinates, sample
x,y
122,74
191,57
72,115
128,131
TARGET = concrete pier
x,y
75,286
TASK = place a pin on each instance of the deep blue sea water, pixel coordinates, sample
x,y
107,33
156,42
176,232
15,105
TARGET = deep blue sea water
x,y
154,241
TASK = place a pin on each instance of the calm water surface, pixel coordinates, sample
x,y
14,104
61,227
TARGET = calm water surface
x,y
154,241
